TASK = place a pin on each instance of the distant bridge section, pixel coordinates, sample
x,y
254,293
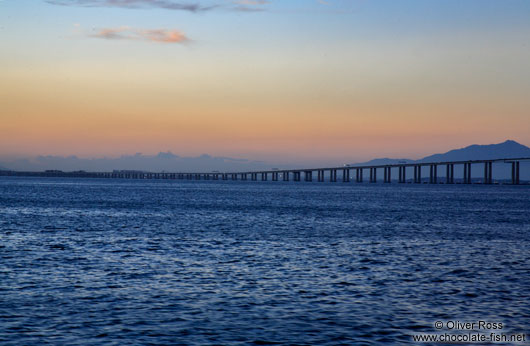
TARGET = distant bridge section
x,y
346,174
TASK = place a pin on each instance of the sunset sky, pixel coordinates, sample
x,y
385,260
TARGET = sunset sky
x,y
314,81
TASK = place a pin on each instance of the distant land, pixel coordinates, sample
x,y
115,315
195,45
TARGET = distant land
x,y
163,161
169,162
507,149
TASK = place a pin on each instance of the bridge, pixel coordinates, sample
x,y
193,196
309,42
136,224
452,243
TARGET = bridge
x,y
346,173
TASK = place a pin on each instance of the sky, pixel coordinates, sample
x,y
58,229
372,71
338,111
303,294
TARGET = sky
x,y
286,81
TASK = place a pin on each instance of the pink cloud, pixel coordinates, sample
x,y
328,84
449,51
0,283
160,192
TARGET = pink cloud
x,y
152,35
160,35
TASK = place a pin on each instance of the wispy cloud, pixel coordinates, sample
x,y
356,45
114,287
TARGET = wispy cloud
x,y
165,4
180,5
252,2
151,35
250,5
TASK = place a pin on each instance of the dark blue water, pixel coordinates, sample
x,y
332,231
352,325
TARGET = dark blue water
x,y
116,262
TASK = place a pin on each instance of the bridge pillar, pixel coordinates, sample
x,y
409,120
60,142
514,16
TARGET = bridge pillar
x,y
243,176
345,175
296,176
359,175
417,174
308,175
274,176
467,173
373,174
515,172
433,177
234,176
488,176
264,176
333,175
285,176
449,171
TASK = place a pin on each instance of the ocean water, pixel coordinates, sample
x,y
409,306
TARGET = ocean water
x,y
123,262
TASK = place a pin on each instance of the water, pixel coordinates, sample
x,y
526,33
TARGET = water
x,y
117,262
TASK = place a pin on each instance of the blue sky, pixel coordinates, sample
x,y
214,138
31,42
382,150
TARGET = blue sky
x,y
301,79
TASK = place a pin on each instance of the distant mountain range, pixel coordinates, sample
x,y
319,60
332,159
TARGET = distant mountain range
x,y
162,162
507,149
168,162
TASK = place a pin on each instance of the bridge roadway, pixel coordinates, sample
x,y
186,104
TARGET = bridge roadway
x,y
321,173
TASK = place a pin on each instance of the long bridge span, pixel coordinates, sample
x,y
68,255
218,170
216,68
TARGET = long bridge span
x,y
346,173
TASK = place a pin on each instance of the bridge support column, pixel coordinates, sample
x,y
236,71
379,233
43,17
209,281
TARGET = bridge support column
x,y
254,176
449,173
308,175
373,174
488,167
467,173
243,176
359,175
264,176
333,175
234,176
296,176
515,172
345,175
417,174
285,176
433,177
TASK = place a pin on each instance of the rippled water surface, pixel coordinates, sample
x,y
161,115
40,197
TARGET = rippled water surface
x,y
117,262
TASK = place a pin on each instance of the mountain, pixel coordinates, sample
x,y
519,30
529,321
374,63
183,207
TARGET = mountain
x,y
169,162
508,149
385,161
161,162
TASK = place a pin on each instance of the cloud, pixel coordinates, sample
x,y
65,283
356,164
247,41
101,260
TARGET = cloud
x,y
181,5
250,5
166,36
252,2
152,35
165,4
